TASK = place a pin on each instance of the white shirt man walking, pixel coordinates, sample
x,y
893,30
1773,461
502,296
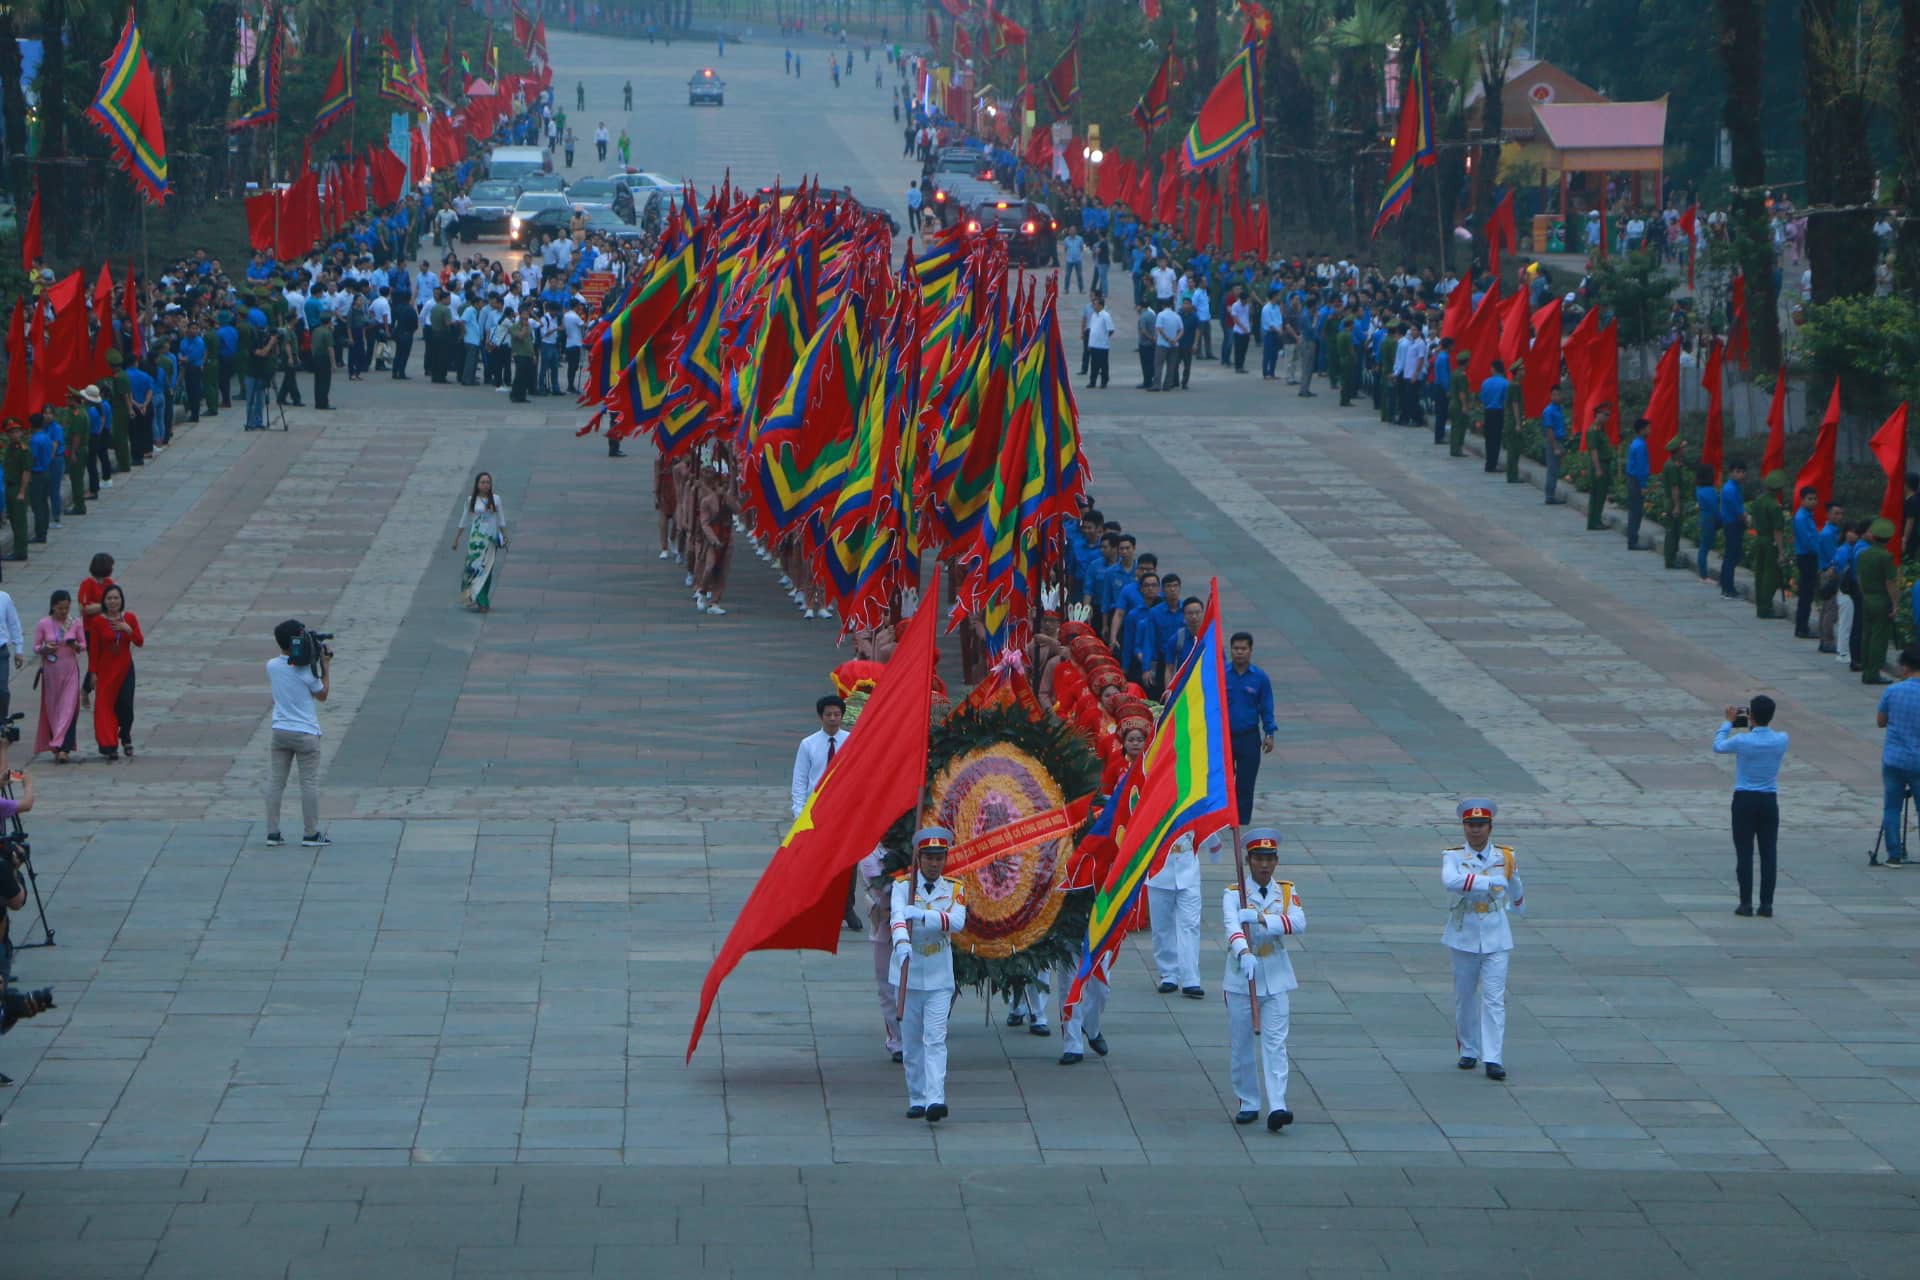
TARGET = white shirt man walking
x,y
810,762
296,731
1481,877
1258,965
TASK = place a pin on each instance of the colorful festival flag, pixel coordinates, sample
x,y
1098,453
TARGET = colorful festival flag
x,y
1228,119
1413,147
338,98
1151,111
1063,82
264,107
127,113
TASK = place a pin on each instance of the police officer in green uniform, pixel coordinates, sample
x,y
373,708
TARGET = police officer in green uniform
x,y
1768,522
1600,463
73,420
1873,570
210,372
1673,483
17,461
120,396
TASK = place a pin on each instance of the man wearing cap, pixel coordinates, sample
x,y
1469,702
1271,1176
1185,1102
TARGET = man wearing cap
x,y
927,909
1257,961
1873,569
1768,523
1480,875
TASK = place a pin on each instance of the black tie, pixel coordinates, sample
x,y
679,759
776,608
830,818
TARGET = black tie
x,y
829,750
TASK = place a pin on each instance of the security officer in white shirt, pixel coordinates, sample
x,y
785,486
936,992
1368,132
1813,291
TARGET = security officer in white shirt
x,y
1173,902
1481,877
1257,960
927,910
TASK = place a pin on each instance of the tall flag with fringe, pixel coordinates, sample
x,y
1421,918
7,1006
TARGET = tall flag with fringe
x,y
1181,786
1151,111
396,75
1228,119
338,99
490,60
1413,148
264,107
1004,31
1063,82
126,111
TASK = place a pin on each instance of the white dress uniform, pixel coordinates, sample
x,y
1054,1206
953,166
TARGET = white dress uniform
x,y
1173,901
1084,1026
879,907
923,919
1277,912
1485,890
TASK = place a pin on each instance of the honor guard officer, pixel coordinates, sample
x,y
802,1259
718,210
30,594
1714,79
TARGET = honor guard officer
x,y
1480,875
927,910
1257,958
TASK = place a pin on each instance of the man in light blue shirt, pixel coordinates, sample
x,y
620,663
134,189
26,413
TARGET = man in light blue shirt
x,y
1899,715
1733,525
470,331
1075,249
1553,436
1272,325
1757,754
1639,471
1493,403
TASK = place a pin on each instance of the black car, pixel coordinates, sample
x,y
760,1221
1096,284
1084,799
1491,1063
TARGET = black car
x,y
540,222
963,161
1027,226
493,202
603,193
706,89
543,182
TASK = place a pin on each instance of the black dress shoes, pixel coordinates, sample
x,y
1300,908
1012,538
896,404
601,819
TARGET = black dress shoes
x,y
1496,1072
1743,910
915,1113
1245,1117
1468,1064
1099,1045
1278,1120
936,1113
1165,988
1069,1059
1194,993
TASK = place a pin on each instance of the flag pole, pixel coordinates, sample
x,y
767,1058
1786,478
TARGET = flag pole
x,y
1240,882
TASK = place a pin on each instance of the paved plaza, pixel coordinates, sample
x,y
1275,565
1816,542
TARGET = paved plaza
x,y
451,1044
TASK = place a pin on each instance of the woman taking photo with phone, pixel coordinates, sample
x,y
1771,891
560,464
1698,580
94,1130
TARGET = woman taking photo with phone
x,y
112,636
59,639
485,526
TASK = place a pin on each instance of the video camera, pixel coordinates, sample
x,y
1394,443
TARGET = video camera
x,y
10,728
304,650
15,1006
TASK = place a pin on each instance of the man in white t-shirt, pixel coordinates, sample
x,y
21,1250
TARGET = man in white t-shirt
x,y
296,735
1163,280
1099,339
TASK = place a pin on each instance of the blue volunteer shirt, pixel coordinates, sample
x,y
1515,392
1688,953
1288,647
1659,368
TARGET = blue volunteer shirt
x,y
1756,756
1733,506
229,338
139,385
1493,392
1806,533
1639,463
1828,545
193,350
1554,419
1443,375
40,450
1249,700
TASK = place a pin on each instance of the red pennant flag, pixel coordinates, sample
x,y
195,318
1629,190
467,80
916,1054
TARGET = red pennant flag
x,y
1712,377
417,156
18,373
30,238
130,295
962,42
389,176
262,209
1151,111
1167,208
1483,337
1775,457
798,900
1818,471
1543,359
1063,82
1501,234
1663,407
1737,336
1889,445
1515,330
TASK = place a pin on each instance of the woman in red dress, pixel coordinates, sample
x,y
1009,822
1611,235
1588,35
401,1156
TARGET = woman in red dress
x,y
112,636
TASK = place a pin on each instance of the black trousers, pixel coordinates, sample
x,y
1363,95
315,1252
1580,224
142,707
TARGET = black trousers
x,y
1756,818
323,383
1146,366
1807,567
402,348
195,391
1492,426
1097,366
1440,408
1246,767
522,379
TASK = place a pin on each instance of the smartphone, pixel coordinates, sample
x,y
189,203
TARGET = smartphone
x,y
1740,718
16,776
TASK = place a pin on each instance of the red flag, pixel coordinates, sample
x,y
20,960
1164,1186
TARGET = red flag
x,y
1063,82
1889,445
1459,312
1151,8
1663,407
1818,471
18,374
1140,199
522,28
1005,31
261,211
1151,111
126,111
1501,233
1515,330
1737,335
1543,360
131,296
933,29
1688,225
1483,337
417,156
1775,458
1261,237
30,238
1712,378
799,898
389,176
962,42
1593,359
1167,209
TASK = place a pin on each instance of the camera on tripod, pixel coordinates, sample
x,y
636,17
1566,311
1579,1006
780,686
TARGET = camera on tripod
x,y
10,728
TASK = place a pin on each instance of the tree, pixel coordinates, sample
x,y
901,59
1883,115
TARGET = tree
x,y
1845,56
1742,57
1906,263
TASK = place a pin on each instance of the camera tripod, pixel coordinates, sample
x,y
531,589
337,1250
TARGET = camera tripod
x,y
13,840
1907,802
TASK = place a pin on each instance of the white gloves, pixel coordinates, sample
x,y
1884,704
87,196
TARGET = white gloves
x,y
1248,966
1249,915
901,951
928,916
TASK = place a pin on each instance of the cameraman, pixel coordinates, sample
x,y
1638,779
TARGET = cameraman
x,y
13,889
296,732
1756,754
1899,715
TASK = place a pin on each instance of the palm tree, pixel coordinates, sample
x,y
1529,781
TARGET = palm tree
x,y
1845,52
1743,55
1360,42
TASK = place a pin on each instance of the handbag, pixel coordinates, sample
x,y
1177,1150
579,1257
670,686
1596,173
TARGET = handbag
x,y
384,350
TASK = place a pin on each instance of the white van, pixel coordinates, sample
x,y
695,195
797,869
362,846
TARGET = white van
x,y
514,163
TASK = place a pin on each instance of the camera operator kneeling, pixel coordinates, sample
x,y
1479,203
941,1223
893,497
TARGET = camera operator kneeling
x,y
1757,754
13,888
299,679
